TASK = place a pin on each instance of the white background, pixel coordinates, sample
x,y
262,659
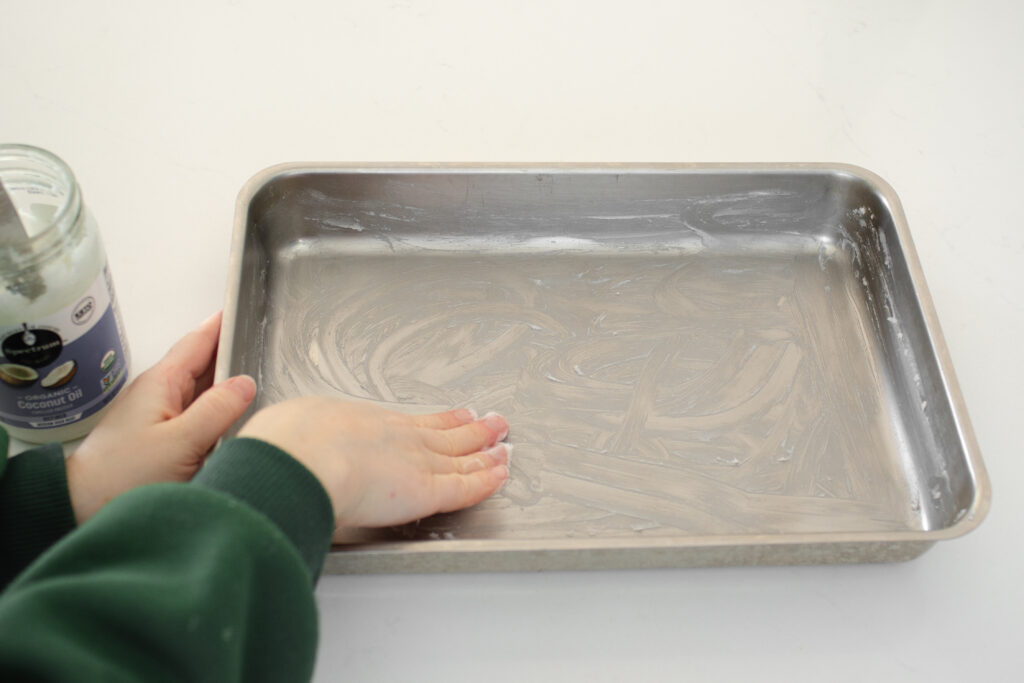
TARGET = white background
x,y
163,110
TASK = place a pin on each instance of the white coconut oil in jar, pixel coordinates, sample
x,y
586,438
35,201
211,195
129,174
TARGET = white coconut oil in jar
x,y
63,355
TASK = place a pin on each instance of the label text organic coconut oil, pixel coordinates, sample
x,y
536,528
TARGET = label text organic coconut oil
x,y
63,356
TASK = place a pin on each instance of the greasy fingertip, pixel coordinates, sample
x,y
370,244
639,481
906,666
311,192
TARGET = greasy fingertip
x,y
499,453
214,410
243,385
196,351
501,474
497,424
465,415
468,438
210,319
466,490
449,419
476,462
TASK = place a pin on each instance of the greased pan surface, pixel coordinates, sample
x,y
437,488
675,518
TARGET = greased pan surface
x,y
701,364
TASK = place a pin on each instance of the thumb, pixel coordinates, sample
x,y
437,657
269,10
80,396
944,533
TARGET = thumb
x,y
214,410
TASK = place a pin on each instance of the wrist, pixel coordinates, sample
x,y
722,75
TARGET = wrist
x,y
84,502
331,473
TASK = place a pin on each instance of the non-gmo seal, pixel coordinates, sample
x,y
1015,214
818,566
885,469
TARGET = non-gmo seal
x,y
83,311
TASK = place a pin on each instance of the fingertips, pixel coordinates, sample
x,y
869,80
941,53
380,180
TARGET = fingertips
x,y
446,420
196,350
212,322
497,476
464,415
460,491
242,385
213,411
492,457
497,424
469,438
500,454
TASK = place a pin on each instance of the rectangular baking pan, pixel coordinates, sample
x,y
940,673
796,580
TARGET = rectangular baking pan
x,y
702,364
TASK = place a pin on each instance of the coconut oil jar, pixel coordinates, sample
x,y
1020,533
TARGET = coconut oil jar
x,y
63,355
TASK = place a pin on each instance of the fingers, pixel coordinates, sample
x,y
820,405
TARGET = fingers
x,y
215,410
498,454
196,350
457,491
446,420
468,438
205,380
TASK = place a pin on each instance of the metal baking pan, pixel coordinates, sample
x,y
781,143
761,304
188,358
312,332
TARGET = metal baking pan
x,y
702,364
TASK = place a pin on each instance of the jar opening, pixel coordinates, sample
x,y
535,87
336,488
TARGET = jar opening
x,y
43,191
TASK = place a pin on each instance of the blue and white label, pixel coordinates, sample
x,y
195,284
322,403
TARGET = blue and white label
x,y
66,366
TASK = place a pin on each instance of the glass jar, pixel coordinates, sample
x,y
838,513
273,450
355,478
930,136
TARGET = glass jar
x,y
63,356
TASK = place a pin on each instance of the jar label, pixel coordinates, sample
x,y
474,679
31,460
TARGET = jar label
x,y
64,367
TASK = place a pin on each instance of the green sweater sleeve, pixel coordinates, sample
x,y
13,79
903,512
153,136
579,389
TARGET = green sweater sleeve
x,y
35,510
206,581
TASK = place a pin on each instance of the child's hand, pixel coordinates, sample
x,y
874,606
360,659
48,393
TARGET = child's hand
x,y
381,467
161,427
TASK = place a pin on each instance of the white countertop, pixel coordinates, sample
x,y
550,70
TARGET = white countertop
x,y
163,110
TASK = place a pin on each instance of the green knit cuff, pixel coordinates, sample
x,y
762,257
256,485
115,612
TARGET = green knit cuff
x,y
35,508
280,487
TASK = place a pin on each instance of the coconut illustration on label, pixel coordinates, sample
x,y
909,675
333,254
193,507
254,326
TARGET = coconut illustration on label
x,y
68,309
60,375
17,375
